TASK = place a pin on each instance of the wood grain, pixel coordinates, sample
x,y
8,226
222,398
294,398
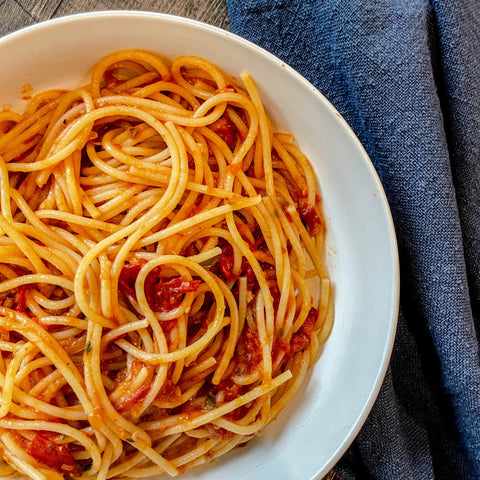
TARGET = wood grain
x,y
15,14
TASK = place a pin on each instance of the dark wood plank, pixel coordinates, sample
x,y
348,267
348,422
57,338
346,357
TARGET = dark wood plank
x,y
15,14
40,10
13,17
213,12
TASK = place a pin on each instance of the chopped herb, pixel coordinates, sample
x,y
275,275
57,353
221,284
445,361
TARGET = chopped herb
x,y
210,401
131,440
281,332
141,343
49,447
64,121
133,132
88,348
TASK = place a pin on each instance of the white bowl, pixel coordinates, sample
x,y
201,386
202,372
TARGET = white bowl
x,y
320,423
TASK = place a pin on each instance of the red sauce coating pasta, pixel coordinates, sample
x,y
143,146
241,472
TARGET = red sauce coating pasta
x,y
163,287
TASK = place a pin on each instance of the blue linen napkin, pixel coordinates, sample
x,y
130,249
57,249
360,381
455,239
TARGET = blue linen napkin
x,y
406,77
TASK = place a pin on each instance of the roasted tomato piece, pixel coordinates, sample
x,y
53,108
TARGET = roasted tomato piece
x,y
128,276
55,456
22,298
309,217
132,398
226,130
225,262
163,294
301,339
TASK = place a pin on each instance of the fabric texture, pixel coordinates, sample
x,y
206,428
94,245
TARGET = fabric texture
x,y
406,77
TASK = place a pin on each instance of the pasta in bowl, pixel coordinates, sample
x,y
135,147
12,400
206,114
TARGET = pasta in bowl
x,y
159,238
131,289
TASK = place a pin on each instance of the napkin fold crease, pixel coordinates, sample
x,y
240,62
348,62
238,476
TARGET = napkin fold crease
x,y
406,77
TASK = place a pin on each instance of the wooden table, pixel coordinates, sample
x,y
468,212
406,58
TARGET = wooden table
x,y
16,14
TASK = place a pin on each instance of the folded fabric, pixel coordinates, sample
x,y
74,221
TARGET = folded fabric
x,y
406,76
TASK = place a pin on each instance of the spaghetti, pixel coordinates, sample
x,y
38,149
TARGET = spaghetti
x,y
162,281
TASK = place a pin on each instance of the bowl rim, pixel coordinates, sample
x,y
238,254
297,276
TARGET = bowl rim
x,y
394,294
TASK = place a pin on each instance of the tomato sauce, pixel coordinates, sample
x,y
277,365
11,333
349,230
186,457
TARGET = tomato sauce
x,y
169,392
55,456
166,294
309,217
21,306
248,353
230,389
128,276
162,294
226,130
132,398
301,339
225,262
